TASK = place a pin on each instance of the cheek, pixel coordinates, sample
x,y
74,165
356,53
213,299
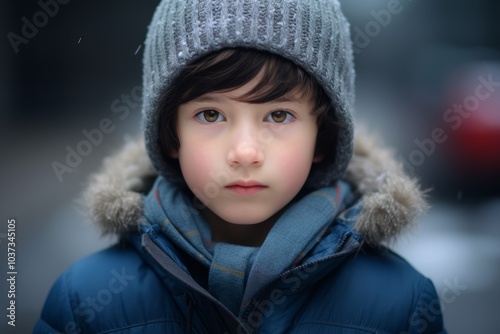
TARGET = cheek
x,y
195,163
294,165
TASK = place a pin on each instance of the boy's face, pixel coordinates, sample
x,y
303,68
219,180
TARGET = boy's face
x,y
245,161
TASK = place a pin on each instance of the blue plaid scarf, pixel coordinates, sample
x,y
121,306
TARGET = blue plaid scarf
x,y
236,272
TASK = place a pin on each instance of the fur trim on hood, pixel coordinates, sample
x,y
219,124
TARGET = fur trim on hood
x,y
392,201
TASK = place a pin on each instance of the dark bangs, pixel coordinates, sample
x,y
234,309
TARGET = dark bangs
x,y
233,68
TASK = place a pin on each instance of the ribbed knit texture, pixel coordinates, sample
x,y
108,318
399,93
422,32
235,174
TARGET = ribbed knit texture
x,y
313,34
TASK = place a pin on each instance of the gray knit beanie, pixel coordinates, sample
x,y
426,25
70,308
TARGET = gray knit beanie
x,y
313,34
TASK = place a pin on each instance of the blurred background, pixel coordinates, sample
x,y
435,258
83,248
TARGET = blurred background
x,y
428,79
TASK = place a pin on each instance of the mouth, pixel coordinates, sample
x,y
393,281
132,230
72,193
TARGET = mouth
x,y
246,187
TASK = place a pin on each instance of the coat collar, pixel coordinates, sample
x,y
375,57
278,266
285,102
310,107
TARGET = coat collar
x,y
290,282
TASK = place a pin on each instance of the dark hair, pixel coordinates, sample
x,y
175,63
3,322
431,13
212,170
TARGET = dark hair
x,y
230,69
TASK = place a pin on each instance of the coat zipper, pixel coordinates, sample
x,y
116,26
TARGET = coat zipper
x,y
224,317
191,303
243,320
280,277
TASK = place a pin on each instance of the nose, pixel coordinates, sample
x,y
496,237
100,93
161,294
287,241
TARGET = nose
x,y
245,149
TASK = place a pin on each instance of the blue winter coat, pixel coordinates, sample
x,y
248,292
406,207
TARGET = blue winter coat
x,y
145,284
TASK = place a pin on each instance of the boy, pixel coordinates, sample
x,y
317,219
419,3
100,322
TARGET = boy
x,y
254,223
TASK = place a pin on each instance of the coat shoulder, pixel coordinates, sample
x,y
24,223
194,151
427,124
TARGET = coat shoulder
x,y
105,292
376,290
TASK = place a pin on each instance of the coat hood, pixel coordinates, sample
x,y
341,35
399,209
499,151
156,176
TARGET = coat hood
x,y
392,201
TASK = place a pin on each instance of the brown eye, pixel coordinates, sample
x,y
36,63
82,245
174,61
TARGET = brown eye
x,y
209,116
279,116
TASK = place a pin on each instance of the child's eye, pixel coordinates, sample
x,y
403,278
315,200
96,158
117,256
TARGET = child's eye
x,y
209,116
279,116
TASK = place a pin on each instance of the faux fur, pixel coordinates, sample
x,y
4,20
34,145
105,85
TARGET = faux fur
x,y
392,200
